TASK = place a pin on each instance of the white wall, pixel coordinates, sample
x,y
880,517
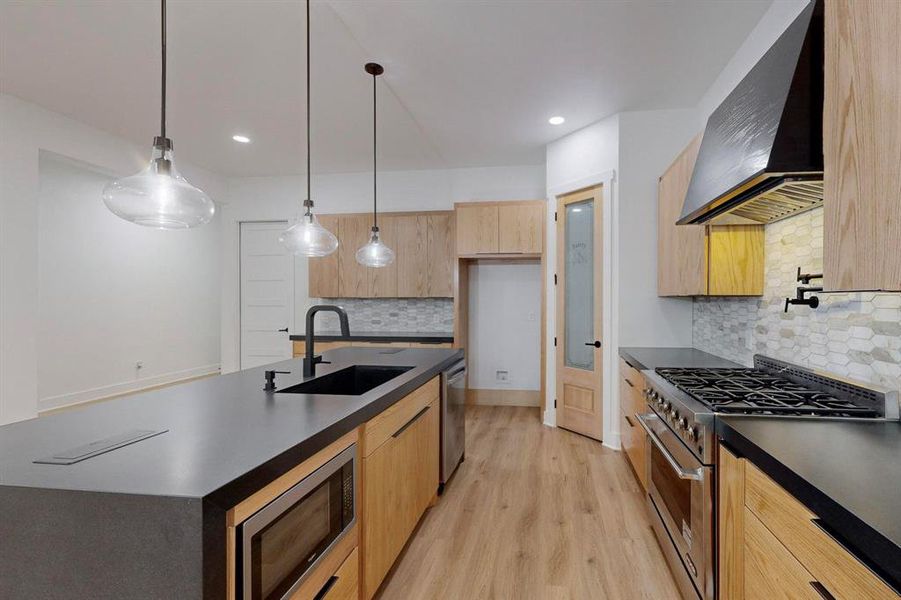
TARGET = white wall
x,y
648,142
279,198
26,130
111,294
505,326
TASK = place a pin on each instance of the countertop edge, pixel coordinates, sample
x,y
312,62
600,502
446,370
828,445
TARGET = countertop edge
x,y
872,548
700,358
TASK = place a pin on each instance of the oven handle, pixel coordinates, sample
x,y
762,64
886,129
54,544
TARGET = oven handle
x,y
694,475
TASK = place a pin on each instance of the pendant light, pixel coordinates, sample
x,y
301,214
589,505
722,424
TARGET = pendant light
x,y
159,196
307,237
375,253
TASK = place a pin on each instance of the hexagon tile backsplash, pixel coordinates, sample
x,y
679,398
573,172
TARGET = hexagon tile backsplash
x,y
390,314
856,335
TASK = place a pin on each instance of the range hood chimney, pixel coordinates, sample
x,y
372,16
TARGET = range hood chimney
x,y
761,157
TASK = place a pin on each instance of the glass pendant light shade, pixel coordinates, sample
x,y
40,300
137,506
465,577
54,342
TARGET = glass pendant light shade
x,y
375,253
308,238
159,196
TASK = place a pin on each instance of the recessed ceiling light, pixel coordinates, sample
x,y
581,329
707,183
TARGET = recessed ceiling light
x,y
556,120
241,138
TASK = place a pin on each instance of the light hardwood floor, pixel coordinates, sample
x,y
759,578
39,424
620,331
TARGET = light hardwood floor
x,y
533,513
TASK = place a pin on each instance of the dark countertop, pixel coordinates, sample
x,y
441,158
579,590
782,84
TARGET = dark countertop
x,y
651,358
424,337
848,473
226,438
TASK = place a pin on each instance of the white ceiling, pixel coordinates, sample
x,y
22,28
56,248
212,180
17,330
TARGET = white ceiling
x,y
467,83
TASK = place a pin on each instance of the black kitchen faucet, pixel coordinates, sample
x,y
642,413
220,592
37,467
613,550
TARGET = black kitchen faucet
x,y
309,361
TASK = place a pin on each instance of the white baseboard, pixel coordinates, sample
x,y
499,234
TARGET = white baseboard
x,y
612,441
503,397
119,389
550,417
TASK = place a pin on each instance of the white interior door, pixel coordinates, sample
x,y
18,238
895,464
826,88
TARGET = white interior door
x,y
267,295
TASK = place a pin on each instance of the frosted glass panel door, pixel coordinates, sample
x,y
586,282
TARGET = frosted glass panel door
x,y
579,355
578,316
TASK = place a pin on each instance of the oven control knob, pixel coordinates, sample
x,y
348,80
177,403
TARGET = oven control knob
x,y
693,433
683,423
666,407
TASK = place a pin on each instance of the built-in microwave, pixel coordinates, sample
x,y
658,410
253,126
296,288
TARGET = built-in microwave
x,y
284,541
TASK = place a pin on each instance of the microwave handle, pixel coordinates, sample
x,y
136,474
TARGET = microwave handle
x,y
683,473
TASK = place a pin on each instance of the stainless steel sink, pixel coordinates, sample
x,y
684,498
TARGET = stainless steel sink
x,y
351,381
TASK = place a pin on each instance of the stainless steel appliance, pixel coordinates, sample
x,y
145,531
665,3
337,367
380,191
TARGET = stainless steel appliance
x,y
453,419
683,405
761,157
284,541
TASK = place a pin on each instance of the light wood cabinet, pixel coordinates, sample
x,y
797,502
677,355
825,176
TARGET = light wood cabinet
x,y
514,227
632,437
424,248
681,249
346,582
702,260
353,277
412,256
323,274
520,228
399,479
441,237
862,146
770,545
477,229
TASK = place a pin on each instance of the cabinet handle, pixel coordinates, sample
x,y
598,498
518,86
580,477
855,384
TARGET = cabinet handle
x,y
631,385
411,421
325,589
628,420
820,589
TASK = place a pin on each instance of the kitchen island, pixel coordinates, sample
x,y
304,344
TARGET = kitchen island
x,y
148,519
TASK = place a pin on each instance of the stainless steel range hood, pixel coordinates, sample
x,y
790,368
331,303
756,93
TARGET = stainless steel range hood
x,y
761,157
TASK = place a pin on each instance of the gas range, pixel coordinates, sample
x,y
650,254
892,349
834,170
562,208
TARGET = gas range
x,y
680,427
689,399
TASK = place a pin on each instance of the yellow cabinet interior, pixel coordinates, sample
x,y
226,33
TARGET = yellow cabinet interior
x,y
702,260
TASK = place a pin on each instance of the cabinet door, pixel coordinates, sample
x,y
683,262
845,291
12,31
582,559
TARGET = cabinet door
x,y
412,256
383,280
477,229
323,270
400,479
862,145
633,439
441,255
771,572
346,580
681,249
353,277
520,227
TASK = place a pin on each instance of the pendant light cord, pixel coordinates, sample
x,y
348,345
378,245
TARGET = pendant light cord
x,y
309,201
163,70
375,211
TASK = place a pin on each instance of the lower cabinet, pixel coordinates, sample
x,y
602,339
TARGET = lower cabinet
x,y
399,480
345,583
771,546
632,437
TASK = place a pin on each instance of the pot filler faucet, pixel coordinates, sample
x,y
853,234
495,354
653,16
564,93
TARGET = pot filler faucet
x,y
309,361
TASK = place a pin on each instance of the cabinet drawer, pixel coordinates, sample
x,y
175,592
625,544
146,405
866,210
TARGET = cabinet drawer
x,y
635,446
771,572
345,583
795,526
379,429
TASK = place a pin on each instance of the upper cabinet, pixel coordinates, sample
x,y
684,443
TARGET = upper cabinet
x,y
702,260
423,267
500,227
862,146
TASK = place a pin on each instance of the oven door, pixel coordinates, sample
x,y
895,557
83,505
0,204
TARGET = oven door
x,y
680,488
284,541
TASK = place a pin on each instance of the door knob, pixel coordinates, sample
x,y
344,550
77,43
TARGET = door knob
x,y
595,343
285,330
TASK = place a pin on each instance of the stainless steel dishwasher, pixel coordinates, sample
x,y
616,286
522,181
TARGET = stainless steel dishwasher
x,y
453,420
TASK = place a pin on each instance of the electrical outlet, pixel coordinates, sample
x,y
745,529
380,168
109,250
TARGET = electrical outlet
x,y
139,364
502,376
